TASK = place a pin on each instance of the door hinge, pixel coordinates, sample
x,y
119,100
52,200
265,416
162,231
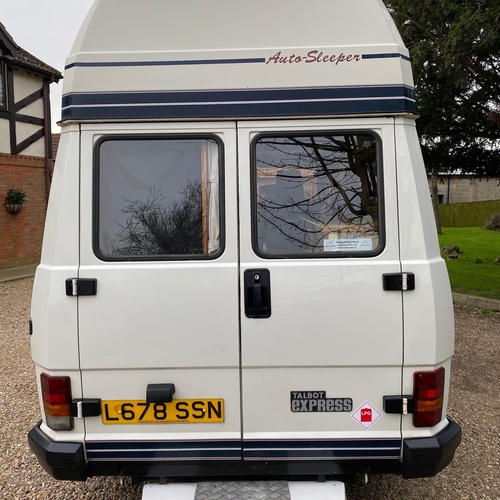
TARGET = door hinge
x,y
399,281
81,286
85,408
400,405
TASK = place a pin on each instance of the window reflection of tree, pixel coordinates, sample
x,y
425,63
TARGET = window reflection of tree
x,y
157,226
309,188
182,223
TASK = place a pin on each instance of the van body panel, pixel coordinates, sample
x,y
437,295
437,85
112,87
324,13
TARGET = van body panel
x,y
428,337
60,225
418,235
55,337
127,337
162,25
289,329
55,330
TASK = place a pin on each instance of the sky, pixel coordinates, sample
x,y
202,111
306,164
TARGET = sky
x,y
46,29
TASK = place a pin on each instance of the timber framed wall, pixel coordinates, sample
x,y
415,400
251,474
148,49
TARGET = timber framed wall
x,y
25,149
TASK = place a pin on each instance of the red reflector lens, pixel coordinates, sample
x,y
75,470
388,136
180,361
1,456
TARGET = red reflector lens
x,y
428,394
56,395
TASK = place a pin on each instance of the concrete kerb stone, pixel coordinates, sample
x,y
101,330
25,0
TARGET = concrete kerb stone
x,y
477,302
15,273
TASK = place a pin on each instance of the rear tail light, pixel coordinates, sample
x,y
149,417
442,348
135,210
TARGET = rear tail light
x,y
56,396
428,395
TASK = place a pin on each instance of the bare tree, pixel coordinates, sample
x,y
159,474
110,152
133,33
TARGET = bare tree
x,y
156,227
322,183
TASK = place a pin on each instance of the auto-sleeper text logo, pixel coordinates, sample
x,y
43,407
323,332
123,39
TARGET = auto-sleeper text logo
x,y
314,56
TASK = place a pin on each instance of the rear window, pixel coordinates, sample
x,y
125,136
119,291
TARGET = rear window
x,y
157,198
316,195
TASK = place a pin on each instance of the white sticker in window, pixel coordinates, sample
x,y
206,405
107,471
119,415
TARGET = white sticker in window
x,y
348,245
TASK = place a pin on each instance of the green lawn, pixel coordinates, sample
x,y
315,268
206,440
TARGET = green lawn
x,y
473,273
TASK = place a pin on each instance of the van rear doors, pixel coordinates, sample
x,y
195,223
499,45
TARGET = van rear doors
x,y
243,264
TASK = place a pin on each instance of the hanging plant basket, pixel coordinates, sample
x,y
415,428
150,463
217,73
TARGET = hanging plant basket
x,y
13,208
14,200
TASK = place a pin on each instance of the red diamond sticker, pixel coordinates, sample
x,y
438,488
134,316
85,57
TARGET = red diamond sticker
x,y
366,415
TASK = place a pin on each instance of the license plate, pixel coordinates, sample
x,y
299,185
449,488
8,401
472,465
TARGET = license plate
x,y
180,411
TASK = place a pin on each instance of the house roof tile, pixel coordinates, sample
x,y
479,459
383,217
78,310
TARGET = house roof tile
x,y
22,57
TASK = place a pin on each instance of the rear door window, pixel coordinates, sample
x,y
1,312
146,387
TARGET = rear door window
x,y
317,195
158,198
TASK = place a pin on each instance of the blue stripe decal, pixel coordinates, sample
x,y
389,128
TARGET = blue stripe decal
x,y
341,443
385,56
158,445
219,96
362,449
320,454
164,450
188,62
322,450
164,455
220,111
239,103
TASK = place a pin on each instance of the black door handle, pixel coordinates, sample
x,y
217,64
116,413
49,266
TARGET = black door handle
x,y
257,293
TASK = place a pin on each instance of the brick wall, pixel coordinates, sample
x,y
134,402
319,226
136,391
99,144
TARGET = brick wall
x,y
21,234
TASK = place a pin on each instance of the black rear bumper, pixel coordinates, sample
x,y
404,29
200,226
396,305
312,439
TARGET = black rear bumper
x,y
422,457
426,457
60,460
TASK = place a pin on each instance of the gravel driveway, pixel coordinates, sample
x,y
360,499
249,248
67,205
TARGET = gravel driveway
x,y
474,403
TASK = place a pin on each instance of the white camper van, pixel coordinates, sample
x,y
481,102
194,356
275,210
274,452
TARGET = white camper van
x,y
240,272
